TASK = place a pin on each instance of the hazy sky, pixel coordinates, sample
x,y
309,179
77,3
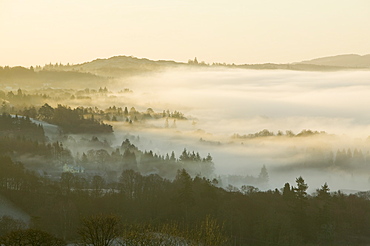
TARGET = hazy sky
x,y
240,31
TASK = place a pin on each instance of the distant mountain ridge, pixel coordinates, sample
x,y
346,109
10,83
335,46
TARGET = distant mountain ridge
x,y
348,61
128,65
102,70
122,66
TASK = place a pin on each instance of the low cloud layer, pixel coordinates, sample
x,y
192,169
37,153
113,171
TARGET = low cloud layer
x,y
248,100
222,102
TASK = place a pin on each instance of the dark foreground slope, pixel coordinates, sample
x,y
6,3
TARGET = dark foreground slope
x,y
240,217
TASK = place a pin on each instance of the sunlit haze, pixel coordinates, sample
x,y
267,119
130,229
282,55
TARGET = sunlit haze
x,y
169,122
38,32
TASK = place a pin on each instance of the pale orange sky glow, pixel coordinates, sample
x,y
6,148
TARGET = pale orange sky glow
x,y
40,31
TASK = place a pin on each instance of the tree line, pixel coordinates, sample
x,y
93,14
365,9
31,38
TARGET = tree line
x,y
13,103
128,156
288,133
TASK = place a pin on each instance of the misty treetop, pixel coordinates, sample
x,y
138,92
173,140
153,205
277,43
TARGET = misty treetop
x,y
70,120
128,156
288,133
322,156
23,140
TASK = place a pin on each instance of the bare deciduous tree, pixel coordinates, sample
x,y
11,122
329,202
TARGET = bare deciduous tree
x,y
99,230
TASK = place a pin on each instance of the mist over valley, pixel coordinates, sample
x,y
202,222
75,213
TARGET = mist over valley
x,y
231,129
193,123
221,108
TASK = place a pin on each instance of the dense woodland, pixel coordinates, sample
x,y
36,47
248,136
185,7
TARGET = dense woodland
x,y
124,195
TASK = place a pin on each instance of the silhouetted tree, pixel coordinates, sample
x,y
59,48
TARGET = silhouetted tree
x,y
300,190
46,112
263,176
323,192
99,230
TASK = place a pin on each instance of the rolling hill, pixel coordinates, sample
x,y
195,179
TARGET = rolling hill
x,y
348,61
